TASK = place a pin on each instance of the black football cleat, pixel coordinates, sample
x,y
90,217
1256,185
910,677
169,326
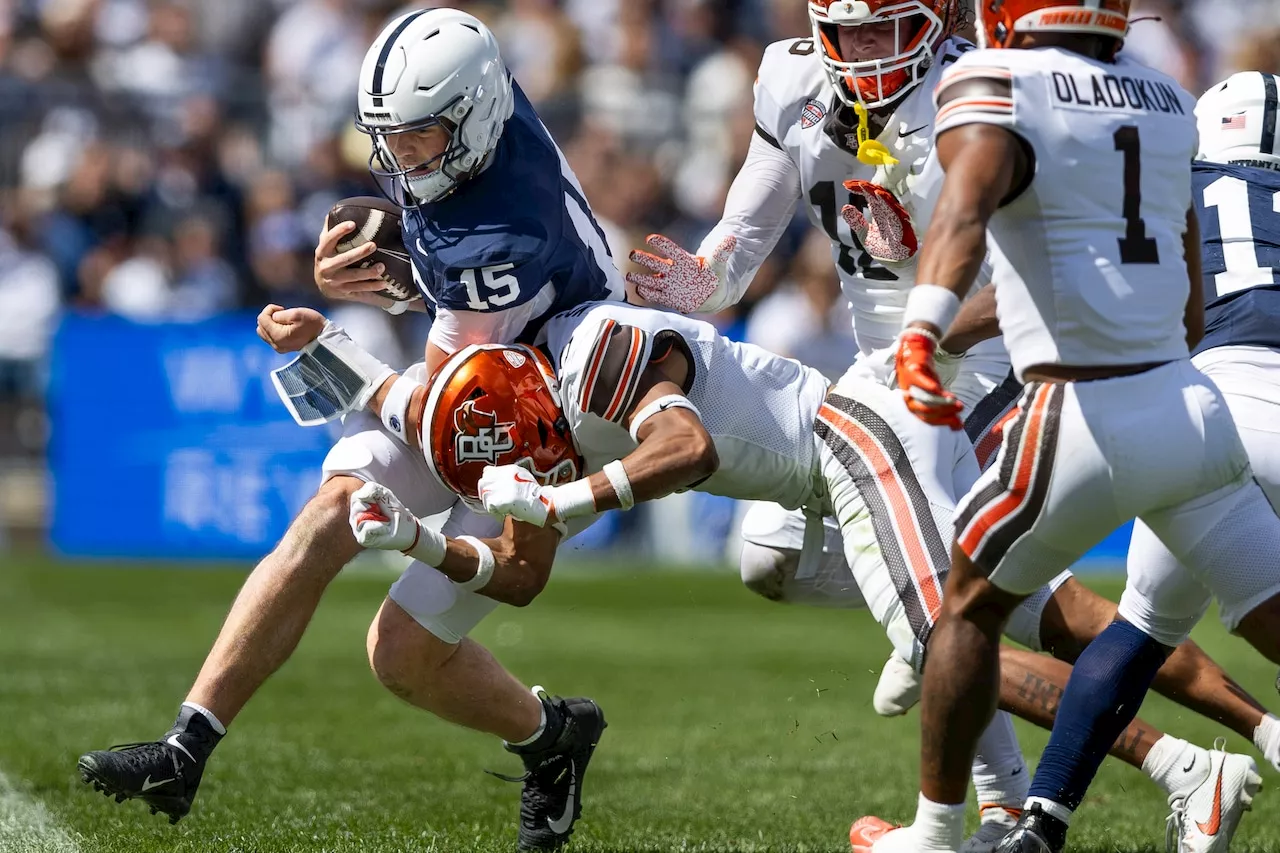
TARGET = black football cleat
x,y
551,801
164,774
1035,832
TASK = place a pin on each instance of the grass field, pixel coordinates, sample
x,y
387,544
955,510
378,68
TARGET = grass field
x,y
734,724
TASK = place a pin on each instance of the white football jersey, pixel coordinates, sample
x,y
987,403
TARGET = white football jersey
x,y
796,109
759,408
1088,258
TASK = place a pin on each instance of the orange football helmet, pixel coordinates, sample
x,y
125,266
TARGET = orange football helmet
x,y
496,405
921,27
1000,19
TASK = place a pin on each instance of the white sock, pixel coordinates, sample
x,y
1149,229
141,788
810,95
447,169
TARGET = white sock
x,y
938,825
1176,766
542,723
1000,774
1051,808
208,715
1266,737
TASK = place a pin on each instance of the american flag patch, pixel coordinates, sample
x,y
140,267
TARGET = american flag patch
x,y
1235,122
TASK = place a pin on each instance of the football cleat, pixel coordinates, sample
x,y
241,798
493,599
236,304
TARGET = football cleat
x,y
997,822
551,801
1205,820
1035,832
164,774
874,835
898,690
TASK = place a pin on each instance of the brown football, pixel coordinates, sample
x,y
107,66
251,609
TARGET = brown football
x,y
377,219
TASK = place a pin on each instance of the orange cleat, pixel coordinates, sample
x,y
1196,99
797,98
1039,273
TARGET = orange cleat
x,y
866,831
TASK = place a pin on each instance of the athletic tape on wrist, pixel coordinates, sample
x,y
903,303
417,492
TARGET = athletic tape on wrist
x,y
929,303
429,546
671,401
395,408
621,483
572,499
484,572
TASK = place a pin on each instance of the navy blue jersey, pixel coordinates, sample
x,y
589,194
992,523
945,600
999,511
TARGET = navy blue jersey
x,y
519,232
1239,212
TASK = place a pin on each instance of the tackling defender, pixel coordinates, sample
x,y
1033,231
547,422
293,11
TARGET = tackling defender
x,y
501,238
1090,276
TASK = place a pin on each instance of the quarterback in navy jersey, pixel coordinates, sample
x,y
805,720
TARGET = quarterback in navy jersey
x,y
501,238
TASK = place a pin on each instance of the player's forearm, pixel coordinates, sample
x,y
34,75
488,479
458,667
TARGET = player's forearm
x,y
975,323
519,574
661,465
413,413
757,210
955,247
1193,317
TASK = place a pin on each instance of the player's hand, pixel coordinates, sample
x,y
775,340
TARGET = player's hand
x,y
511,490
680,280
380,521
885,230
926,396
289,329
337,277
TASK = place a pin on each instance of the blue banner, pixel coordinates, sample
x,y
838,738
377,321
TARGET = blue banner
x,y
169,441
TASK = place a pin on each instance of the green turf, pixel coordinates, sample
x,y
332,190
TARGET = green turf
x,y
735,724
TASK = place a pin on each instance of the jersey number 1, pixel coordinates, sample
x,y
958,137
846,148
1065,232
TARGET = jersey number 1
x,y
506,287
1135,246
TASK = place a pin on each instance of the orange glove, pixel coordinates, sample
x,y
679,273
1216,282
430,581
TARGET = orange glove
x,y
926,396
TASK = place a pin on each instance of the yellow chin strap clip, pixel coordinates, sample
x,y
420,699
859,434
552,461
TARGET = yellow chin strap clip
x,y
870,152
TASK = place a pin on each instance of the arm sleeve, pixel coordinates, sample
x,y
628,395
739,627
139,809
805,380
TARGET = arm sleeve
x,y
757,211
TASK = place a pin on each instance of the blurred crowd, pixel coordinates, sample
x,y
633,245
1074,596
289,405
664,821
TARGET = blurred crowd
x,y
166,160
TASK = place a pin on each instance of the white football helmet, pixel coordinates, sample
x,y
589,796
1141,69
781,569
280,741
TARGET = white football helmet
x,y
1237,121
433,67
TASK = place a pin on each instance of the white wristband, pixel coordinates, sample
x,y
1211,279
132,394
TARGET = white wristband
x,y
429,546
484,572
621,483
671,401
929,303
395,408
572,499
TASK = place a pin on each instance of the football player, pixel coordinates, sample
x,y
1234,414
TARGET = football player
x,y
501,238
1076,161
653,403
844,127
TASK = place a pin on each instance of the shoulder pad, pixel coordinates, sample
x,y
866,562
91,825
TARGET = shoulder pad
x,y
790,76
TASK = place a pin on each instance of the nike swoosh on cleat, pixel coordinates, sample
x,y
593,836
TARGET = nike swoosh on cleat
x,y
147,784
562,824
1214,823
1190,764
173,741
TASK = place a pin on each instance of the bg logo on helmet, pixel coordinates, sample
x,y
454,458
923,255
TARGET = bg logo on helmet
x,y
479,437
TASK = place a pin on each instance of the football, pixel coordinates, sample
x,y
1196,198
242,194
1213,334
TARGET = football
x,y
377,219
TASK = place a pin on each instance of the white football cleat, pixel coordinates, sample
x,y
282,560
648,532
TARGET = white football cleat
x,y
1205,820
898,690
873,835
997,822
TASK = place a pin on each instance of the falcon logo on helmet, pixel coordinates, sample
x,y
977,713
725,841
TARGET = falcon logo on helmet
x,y
478,436
1000,19
434,68
497,405
920,27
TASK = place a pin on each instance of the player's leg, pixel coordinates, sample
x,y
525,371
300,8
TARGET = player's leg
x,y
267,619
419,649
891,479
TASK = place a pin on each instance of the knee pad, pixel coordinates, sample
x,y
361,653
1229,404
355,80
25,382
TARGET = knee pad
x,y
765,570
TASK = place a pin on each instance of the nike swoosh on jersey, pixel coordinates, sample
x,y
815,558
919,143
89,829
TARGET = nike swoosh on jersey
x,y
1214,823
562,824
147,784
914,132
